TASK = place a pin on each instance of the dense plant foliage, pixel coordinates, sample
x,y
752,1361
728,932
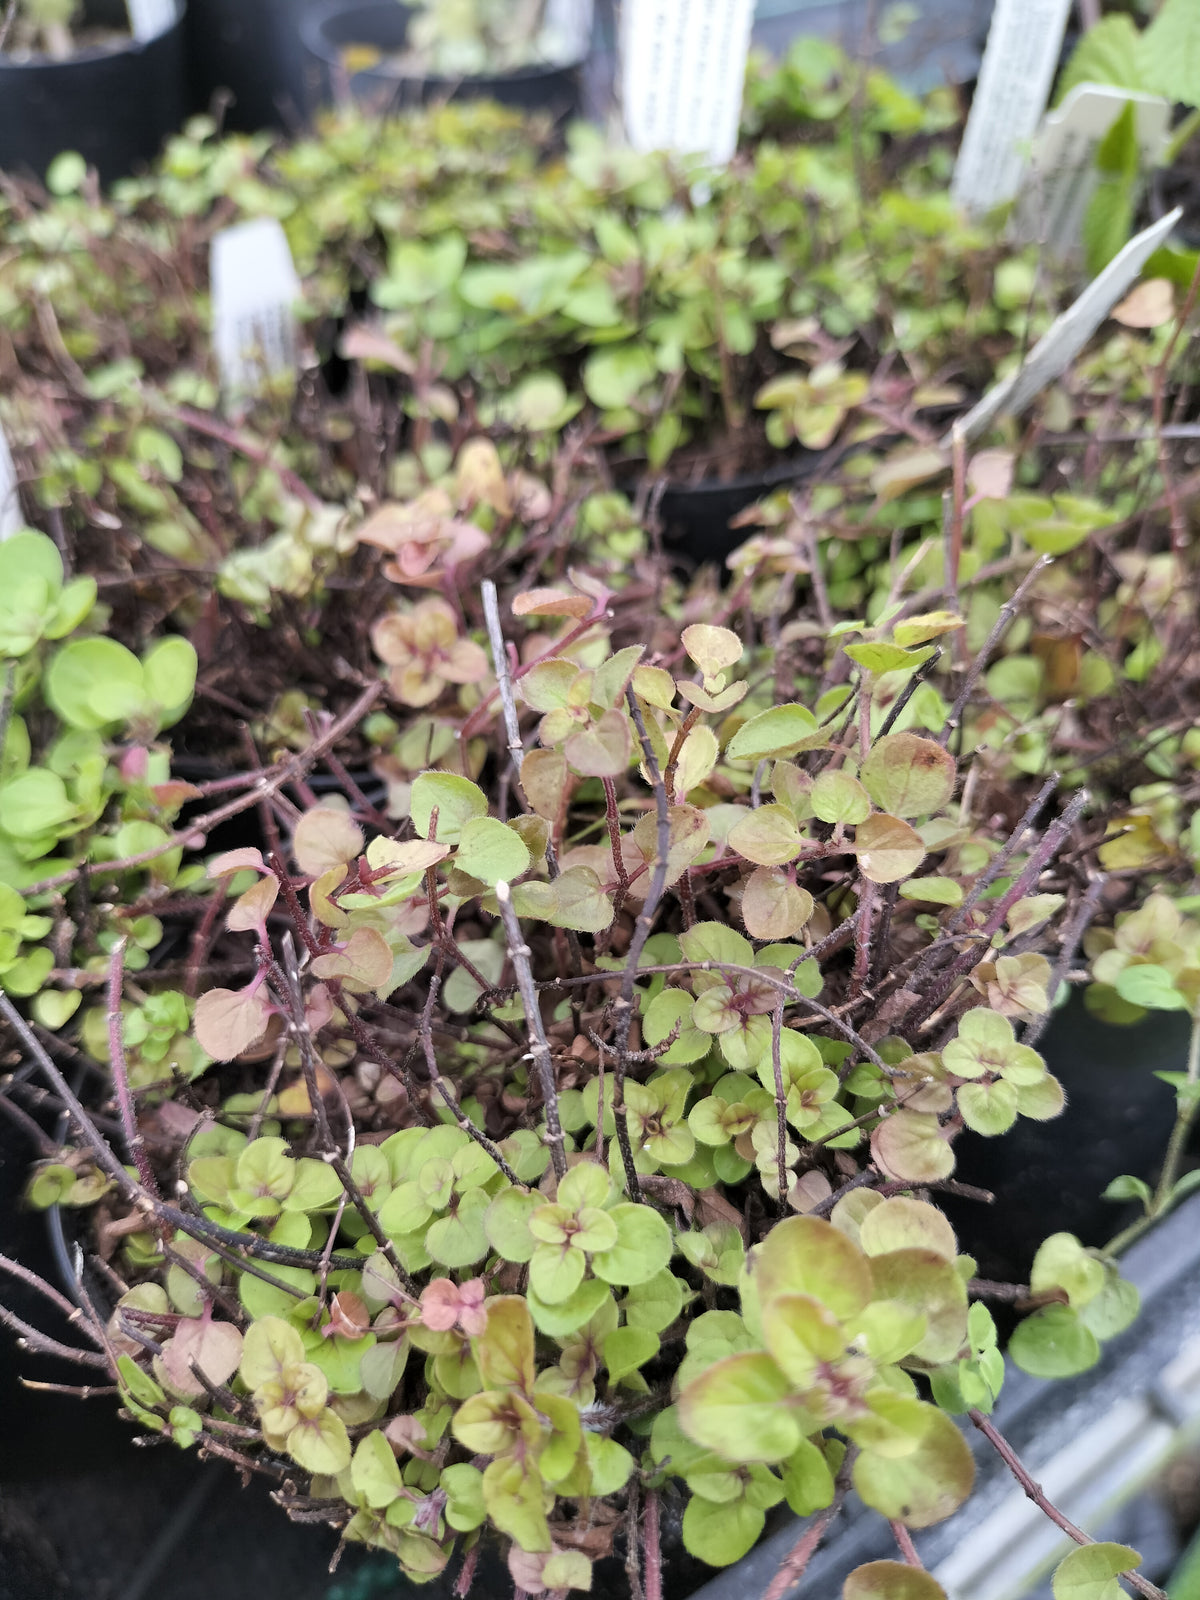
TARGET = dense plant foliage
x,y
537,1114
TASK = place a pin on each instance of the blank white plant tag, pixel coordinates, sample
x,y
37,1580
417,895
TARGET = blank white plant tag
x,y
10,506
149,18
683,65
254,292
1061,177
1067,334
1014,84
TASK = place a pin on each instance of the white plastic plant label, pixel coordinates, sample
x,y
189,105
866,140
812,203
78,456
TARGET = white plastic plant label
x,y
10,506
1067,334
1014,84
149,18
1061,176
254,292
683,65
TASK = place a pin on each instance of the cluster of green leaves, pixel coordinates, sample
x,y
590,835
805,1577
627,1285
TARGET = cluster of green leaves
x,y
487,1340
489,1344
1161,59
68,790
467,38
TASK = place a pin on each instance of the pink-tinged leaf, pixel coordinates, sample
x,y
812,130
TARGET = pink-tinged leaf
x,y
348,1316
545,780
361,342
550,603
365,959
318,1008
170,795
231,861
445,1304
215,1347
1148,305
603,749
228,1021
439,1305
689,827
990,474
325,838
251,909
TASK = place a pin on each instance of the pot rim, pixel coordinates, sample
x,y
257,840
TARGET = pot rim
x,y
94,54
312,33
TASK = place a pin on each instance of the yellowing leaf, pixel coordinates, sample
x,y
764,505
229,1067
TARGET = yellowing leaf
x,y
887,848
904,469
772,906
735,1409
908,775
712,649
929,625
891,1580
365,960
909,1145
767,836
925,1486
1090,1573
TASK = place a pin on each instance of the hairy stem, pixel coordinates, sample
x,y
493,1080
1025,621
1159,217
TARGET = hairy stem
x,y
793,1566
539,1045
1034,1492
134,1139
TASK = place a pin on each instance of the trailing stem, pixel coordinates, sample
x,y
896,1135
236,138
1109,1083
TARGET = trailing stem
x,y
449,1098
539,1045
504,687
1035,1492
134,1139
623,1006
793,1566
780,1105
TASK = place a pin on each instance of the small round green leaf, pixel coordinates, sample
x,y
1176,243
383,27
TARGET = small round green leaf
x,y
1090,1573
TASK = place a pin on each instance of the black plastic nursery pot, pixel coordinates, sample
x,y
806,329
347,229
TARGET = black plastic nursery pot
x,y
696,517
381,26
942,42
115,106
1051,1176
252,49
